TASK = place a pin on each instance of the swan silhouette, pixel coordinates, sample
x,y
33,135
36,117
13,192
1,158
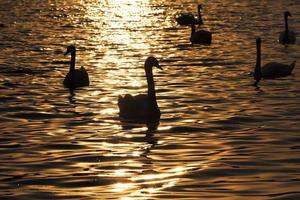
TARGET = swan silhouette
x,y
201,36
270,70
142,107
75,77
287,36
188,18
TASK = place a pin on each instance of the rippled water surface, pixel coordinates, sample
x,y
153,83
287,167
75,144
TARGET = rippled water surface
x,y
218,138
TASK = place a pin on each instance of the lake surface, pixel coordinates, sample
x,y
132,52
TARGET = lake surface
x,y
218,138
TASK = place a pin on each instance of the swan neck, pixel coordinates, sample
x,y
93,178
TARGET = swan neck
x,y
151,87
150,81
257,71
193,28
72,63
199,14
286,23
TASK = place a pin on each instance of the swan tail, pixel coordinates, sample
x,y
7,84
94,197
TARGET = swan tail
x,y
85,76
124,104
292,66
121,105
120,100
256,83
293,63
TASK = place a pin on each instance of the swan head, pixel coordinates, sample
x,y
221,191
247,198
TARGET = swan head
x,y
199,7
70,49
258,41
287,13
152,62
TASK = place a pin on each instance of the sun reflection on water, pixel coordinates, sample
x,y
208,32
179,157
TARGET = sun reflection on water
x,y
121,187
129,18
145,185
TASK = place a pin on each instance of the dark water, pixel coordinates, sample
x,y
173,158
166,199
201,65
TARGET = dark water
x,y
218,138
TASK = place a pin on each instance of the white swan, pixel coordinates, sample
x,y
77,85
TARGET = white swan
x,y
270,70
188,18
75,77
142,107
201,36
287,36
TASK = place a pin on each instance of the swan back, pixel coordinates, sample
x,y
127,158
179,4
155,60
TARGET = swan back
x,y
185,19
287,37
77,78
133,107
276,70
138,108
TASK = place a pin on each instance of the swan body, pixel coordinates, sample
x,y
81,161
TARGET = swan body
x,y
276,70
201,36
287,36
142,107
270,70
185,19
75,77
188,18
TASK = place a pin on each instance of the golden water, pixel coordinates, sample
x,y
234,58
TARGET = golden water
x,y
218,138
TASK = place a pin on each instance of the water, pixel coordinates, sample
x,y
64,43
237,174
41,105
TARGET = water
x,y
218,138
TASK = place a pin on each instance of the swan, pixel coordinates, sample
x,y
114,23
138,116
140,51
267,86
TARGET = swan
x,y
75,77
142,107
201,36
270,70
287,36
188,18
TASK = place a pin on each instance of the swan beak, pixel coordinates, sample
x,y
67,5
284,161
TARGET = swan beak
x,y
67,52
159,67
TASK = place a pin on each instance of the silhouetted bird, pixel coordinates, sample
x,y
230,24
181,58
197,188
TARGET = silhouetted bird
x,y
142,107
270,70
75,77
188,18
201,36
287,36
